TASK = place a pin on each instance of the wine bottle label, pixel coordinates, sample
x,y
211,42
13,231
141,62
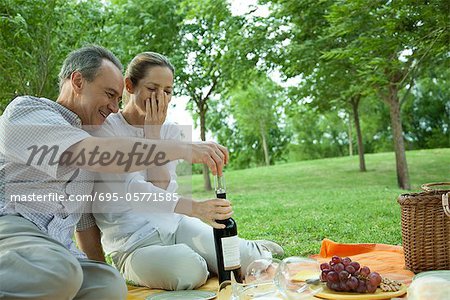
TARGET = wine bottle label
x,y
231,253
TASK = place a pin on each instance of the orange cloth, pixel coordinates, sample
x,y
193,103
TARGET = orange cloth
x,y
387,260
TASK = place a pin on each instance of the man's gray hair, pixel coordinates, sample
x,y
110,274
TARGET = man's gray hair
x,y
87,61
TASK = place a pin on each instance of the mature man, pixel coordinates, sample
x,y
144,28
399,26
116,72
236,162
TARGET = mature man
x,y
46,160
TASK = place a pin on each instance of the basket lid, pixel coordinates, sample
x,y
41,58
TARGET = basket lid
x,y
430,195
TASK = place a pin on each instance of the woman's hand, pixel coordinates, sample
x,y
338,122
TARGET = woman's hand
x,y
208,211
155,114
211,210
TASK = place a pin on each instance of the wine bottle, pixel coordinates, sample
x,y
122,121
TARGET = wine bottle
x,y
227,242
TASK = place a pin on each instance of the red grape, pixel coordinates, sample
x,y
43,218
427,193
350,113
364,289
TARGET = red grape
x,y
332,276
343,286
350,269
343,275
338,267
346,261
324,266
371,288
355,265
362,287
374,279
352,283
365,271
335,259
336,286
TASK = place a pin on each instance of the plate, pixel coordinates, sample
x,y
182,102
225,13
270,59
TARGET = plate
x,y
444,274
305,275
326,293
185,295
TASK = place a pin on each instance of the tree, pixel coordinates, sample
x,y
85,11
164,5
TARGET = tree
x,y
330,85
130,29
386,42
254,109
387,32
36,35
216,47
427,110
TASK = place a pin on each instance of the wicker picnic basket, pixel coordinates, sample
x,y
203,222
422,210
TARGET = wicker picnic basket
x,y
426,228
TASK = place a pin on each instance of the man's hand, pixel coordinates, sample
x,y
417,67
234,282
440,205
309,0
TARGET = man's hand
x,y
89,242
215,156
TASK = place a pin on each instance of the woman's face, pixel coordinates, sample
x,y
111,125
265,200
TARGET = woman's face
x,y
158,80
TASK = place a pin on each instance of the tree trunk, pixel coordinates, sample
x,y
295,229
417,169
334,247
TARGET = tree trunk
x,y
362,161
265,148
206,178
397,134
350,138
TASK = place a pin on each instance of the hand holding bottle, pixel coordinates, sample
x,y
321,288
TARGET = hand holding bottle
x,y
208,211
211,210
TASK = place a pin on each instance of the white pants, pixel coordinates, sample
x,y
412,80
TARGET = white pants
x,y
35,266
183,264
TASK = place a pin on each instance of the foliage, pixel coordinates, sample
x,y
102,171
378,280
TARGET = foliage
x,y
318,134
146,25
361,47
36,36
427,111
392,50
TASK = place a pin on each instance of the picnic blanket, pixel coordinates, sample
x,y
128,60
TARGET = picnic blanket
x,y
388,260
140,293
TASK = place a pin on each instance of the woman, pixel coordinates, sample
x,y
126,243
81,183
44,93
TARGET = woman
x,y
159,244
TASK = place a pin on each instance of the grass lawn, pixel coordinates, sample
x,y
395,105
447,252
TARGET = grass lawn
x,y
299,204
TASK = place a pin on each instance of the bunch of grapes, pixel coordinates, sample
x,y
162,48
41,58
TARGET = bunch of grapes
x,y
345,275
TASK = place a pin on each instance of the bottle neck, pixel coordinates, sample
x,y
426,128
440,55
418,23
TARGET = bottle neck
x,y
219,184
221,195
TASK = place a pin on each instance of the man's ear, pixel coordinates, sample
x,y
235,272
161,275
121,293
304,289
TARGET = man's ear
x,y
76,79
129,85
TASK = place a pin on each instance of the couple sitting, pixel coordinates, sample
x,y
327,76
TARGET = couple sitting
x,y
165,246
156,244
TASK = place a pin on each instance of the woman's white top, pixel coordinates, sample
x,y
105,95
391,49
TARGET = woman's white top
x,y
134,215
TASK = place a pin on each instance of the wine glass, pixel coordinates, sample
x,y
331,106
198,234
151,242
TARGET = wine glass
x,y
262,270
259,281
298,278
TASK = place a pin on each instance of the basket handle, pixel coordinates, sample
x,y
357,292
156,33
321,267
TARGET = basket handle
x,y
445,204
427,187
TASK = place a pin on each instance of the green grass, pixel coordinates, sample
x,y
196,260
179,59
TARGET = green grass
x,y
299,204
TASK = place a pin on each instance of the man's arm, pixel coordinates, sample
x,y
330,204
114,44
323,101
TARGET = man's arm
x,y
89,242
103,154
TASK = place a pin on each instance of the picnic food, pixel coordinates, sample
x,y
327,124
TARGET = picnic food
x,y
388,285
345,275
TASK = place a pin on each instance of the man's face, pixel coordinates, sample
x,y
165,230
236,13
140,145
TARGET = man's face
x,y
100,97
